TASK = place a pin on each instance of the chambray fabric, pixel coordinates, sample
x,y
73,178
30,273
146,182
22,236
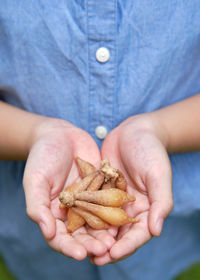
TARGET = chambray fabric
x,y
48,66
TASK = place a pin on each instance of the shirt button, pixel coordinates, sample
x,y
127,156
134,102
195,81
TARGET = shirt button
x,y
102,54
101,131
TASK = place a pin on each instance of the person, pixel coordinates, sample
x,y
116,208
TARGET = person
x,y
73,73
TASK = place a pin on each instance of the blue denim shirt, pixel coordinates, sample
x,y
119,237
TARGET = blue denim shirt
x,y
48,66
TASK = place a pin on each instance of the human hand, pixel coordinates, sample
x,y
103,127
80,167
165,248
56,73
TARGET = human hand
x,y
137,149
50,167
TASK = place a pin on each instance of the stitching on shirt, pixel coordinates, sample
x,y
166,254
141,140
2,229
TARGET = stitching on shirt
x,y
88,72
115,71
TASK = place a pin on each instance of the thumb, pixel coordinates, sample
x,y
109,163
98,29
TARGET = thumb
x,y
37,195
161,200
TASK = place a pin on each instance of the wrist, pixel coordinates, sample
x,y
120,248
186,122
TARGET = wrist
x,y
160,129
150,123
46,126
17,128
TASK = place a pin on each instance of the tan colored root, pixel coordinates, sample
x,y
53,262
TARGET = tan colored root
x,y
106,186
120,182
74,221
96,182
108,171
66,197
97,197
112,215
85,168
109,184
92,220
109,197
81,185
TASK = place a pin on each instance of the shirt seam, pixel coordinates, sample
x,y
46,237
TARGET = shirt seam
x,y
115,67
88,72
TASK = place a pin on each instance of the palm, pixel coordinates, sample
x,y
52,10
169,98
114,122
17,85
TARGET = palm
x,y
145,164
49,168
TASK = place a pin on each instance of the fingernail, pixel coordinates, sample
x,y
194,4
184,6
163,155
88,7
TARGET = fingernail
x,y
159,226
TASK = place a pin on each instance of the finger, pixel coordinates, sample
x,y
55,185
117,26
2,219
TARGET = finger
x,y
65,244
158,213
157,180
104,236
123,230
38,204
161,201
113,230
101,260
124,257
92,245
140,205
137,236
106,259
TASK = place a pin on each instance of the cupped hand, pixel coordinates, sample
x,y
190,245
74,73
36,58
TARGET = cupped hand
x,y
50,167
135,148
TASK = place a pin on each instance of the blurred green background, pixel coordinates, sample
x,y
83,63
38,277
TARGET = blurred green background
x,y
193,273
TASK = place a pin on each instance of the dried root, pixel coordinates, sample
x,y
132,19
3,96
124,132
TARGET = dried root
x,y
92,220
109,197
120,182
85,168
97,198
66,198
113,215
96,182
74,220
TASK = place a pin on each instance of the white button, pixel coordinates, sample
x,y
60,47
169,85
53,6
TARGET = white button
x,y
101,131
102,54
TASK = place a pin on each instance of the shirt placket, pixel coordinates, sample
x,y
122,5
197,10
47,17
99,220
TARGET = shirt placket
x,y
101,23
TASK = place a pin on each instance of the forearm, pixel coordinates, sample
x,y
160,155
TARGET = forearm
x,y
178,125
16,131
